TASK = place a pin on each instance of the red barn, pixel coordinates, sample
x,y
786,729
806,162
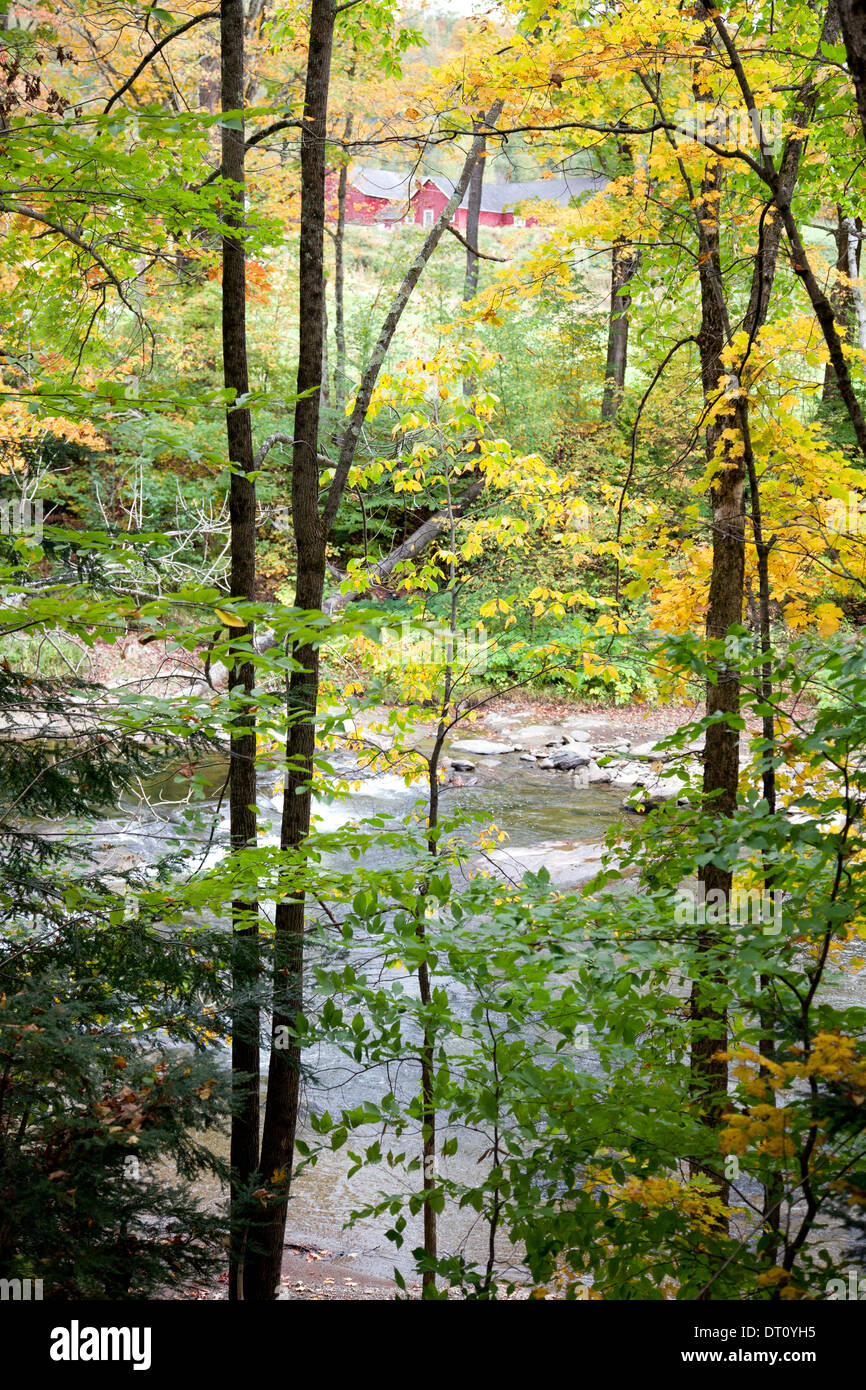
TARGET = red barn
x,y
372,196
384,198
499,200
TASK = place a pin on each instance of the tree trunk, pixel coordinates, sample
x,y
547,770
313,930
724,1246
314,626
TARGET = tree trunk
x,y
340,290
242,512
473,223
473,226
326,375
727,497
311,529
854,228
624,264
852,14
840,301
725,608
824,314
281,1110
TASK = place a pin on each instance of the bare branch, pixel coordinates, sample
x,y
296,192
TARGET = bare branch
x,y
474,249
157,48
389,327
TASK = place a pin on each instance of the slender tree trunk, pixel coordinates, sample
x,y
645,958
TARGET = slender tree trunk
x,y
473,227
326,375
242,511
352,432
852,14
724,609
855,232
826,319
428,1041
340,289
473,223
264,1261
759,303
281,1110
840,301
624,264
727,496
773,1189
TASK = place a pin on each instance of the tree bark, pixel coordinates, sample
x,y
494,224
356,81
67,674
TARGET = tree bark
x,y
325,375
473,223
840,301
852,15
624,264
854,228
709,1074
473,227
281,1109
340,286
242,512
824,314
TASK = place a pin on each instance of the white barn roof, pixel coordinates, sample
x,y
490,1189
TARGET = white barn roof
x,y
389,186
381,183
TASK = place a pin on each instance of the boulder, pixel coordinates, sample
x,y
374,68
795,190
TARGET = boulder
x,y
640,804
597,774
577,735
539,735
629,775
570,761
481,747
569,863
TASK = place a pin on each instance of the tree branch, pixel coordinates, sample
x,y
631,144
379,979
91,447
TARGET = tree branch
x,y
22,210
157,48
412,546
389,327
474,249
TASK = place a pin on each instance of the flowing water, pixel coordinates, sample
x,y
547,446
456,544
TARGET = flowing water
x,y
548,821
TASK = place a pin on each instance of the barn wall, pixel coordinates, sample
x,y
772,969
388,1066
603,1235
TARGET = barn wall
x,y
430,197
367,211
359,209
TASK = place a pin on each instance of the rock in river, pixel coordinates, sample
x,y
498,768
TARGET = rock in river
x,y
481,747
571,760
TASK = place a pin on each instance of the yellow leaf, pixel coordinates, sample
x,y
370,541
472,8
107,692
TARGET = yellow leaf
x,y
230,619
